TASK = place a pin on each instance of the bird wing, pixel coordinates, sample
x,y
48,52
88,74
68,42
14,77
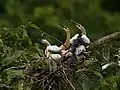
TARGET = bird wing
x,y
54,49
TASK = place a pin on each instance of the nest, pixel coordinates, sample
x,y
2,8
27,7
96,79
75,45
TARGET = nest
x,y
58,78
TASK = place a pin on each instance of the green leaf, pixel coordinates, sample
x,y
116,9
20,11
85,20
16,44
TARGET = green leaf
x,y
27,88
98,74
12,73
86,84
27,42
34,26
18,53
24,33
1,43
81,70
20,86
38,50
106,52
8,60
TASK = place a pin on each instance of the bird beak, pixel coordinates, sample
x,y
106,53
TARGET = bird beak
x,y
74,22
63,26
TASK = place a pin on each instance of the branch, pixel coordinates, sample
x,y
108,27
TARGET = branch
x,y
106,39
68,80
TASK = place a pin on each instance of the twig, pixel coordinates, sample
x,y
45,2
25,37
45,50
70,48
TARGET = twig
x,y
68,80
43,79
50,86
3,85
106,39
48,82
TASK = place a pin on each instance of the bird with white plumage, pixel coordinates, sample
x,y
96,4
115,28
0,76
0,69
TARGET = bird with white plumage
x,y
82,33
79,42
55,52
49,50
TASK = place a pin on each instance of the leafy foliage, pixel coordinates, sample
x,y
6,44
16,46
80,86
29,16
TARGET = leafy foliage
x,y
24,66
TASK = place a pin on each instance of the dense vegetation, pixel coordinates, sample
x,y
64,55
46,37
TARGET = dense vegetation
x,y
23,65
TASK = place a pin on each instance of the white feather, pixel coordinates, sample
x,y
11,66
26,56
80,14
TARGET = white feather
x,y
80,49
53,48
85,39
73,38
54,56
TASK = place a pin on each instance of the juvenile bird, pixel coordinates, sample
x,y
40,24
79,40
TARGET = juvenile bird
x,y
80,41
55,52
49,51
82,33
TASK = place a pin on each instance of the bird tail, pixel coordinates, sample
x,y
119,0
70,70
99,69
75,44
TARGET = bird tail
x,y
44,41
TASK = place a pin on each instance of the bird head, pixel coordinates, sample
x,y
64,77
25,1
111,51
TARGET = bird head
x,y
80,27
64,28
44,41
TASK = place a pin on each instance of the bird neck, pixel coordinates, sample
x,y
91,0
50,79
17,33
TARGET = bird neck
x,y
67,42
83,31
45,42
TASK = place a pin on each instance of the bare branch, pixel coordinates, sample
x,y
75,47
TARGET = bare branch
x,y
106,39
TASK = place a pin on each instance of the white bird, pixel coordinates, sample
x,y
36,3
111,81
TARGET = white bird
x,y
73,38
82,34
80,41
50,48
53,51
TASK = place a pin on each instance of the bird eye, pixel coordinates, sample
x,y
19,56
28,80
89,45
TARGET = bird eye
x,y
79,25
83,50
65,27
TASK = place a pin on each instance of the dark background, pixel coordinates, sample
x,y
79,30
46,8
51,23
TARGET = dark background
x,y
99,17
